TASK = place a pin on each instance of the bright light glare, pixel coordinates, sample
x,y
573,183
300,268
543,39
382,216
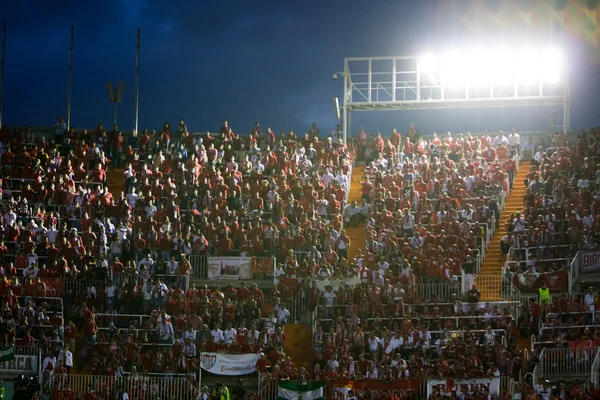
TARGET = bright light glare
x,y
501,67
528,67
428,63
551,65
454,71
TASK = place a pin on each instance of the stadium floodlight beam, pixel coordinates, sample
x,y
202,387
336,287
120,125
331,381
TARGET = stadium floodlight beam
x,y
428,63
459,78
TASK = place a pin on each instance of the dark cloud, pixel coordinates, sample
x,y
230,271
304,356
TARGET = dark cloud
x,y
206,60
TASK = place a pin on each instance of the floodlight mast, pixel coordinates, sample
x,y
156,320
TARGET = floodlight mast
x,y
404,83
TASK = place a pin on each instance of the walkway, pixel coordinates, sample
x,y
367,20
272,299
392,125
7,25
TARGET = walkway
x,y
494,259
357,235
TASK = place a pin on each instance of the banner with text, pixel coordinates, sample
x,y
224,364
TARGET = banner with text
x,y
7,354
531,282
27,365
492,385
589,261
230,268
228,364
339,389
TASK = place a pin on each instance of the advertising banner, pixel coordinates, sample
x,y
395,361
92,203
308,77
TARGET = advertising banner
x,y
492,385
557,281
228,364
27,365
339,389
230,268
589,261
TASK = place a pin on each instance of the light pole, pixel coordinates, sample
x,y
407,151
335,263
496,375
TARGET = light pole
x,y
116,96
344,106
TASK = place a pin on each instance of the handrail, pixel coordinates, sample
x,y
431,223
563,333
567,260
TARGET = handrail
x,y
595,374
562,361
568,327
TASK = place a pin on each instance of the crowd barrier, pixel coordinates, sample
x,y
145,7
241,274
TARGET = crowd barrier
x,y
337,389
566,361
137,386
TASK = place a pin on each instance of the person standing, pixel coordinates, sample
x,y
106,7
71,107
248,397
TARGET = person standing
x,y
590,305
544,292
536,313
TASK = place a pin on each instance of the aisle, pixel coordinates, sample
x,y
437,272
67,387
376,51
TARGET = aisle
x,y
357,235
494,259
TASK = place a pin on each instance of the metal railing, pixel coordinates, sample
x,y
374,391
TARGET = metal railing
x,y
595,374
567,361
574,272
298,304
497,286
175,387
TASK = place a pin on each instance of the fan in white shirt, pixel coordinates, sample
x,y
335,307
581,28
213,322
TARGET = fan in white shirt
x,y
217,334
327,178
229,334
283,315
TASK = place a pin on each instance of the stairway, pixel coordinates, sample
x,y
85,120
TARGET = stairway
x,y
115,181
358,234
494,259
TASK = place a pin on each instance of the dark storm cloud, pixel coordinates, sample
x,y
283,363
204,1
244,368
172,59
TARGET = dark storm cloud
x,y
207,60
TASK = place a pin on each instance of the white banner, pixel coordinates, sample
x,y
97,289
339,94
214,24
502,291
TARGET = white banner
x,y
589,261
230,268
492,385
228,364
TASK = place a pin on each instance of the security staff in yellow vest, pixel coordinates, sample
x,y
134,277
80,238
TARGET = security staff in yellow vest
x,y
220,392
544,294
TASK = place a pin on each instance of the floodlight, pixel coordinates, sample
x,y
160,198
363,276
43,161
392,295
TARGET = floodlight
x,y
551,65
452,71
501,67
428,63
476,69
528,71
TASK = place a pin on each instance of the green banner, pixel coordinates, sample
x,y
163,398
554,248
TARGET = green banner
x,y
7,354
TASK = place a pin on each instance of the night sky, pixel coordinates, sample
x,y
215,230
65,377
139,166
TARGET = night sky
x,y
270,61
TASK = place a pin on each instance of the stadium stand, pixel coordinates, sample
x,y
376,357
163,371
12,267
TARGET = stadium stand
x,y
112,244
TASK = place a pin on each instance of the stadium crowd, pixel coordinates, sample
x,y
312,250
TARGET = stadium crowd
x,y
427,207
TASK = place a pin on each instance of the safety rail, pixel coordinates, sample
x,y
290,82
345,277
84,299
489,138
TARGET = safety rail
x,y
595,371
566,327
492,284
140,317
424,318
298,304
574,272
564,261
567,361
174,387
501,334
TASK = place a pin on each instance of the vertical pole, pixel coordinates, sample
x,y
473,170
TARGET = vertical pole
x,y
70,81
2,68
350,121
418,80
345,116
566,106
137,81
394,80
370,80
115,113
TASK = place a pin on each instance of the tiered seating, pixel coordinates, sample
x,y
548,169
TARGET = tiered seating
x,y
431,205
124,254
362,328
